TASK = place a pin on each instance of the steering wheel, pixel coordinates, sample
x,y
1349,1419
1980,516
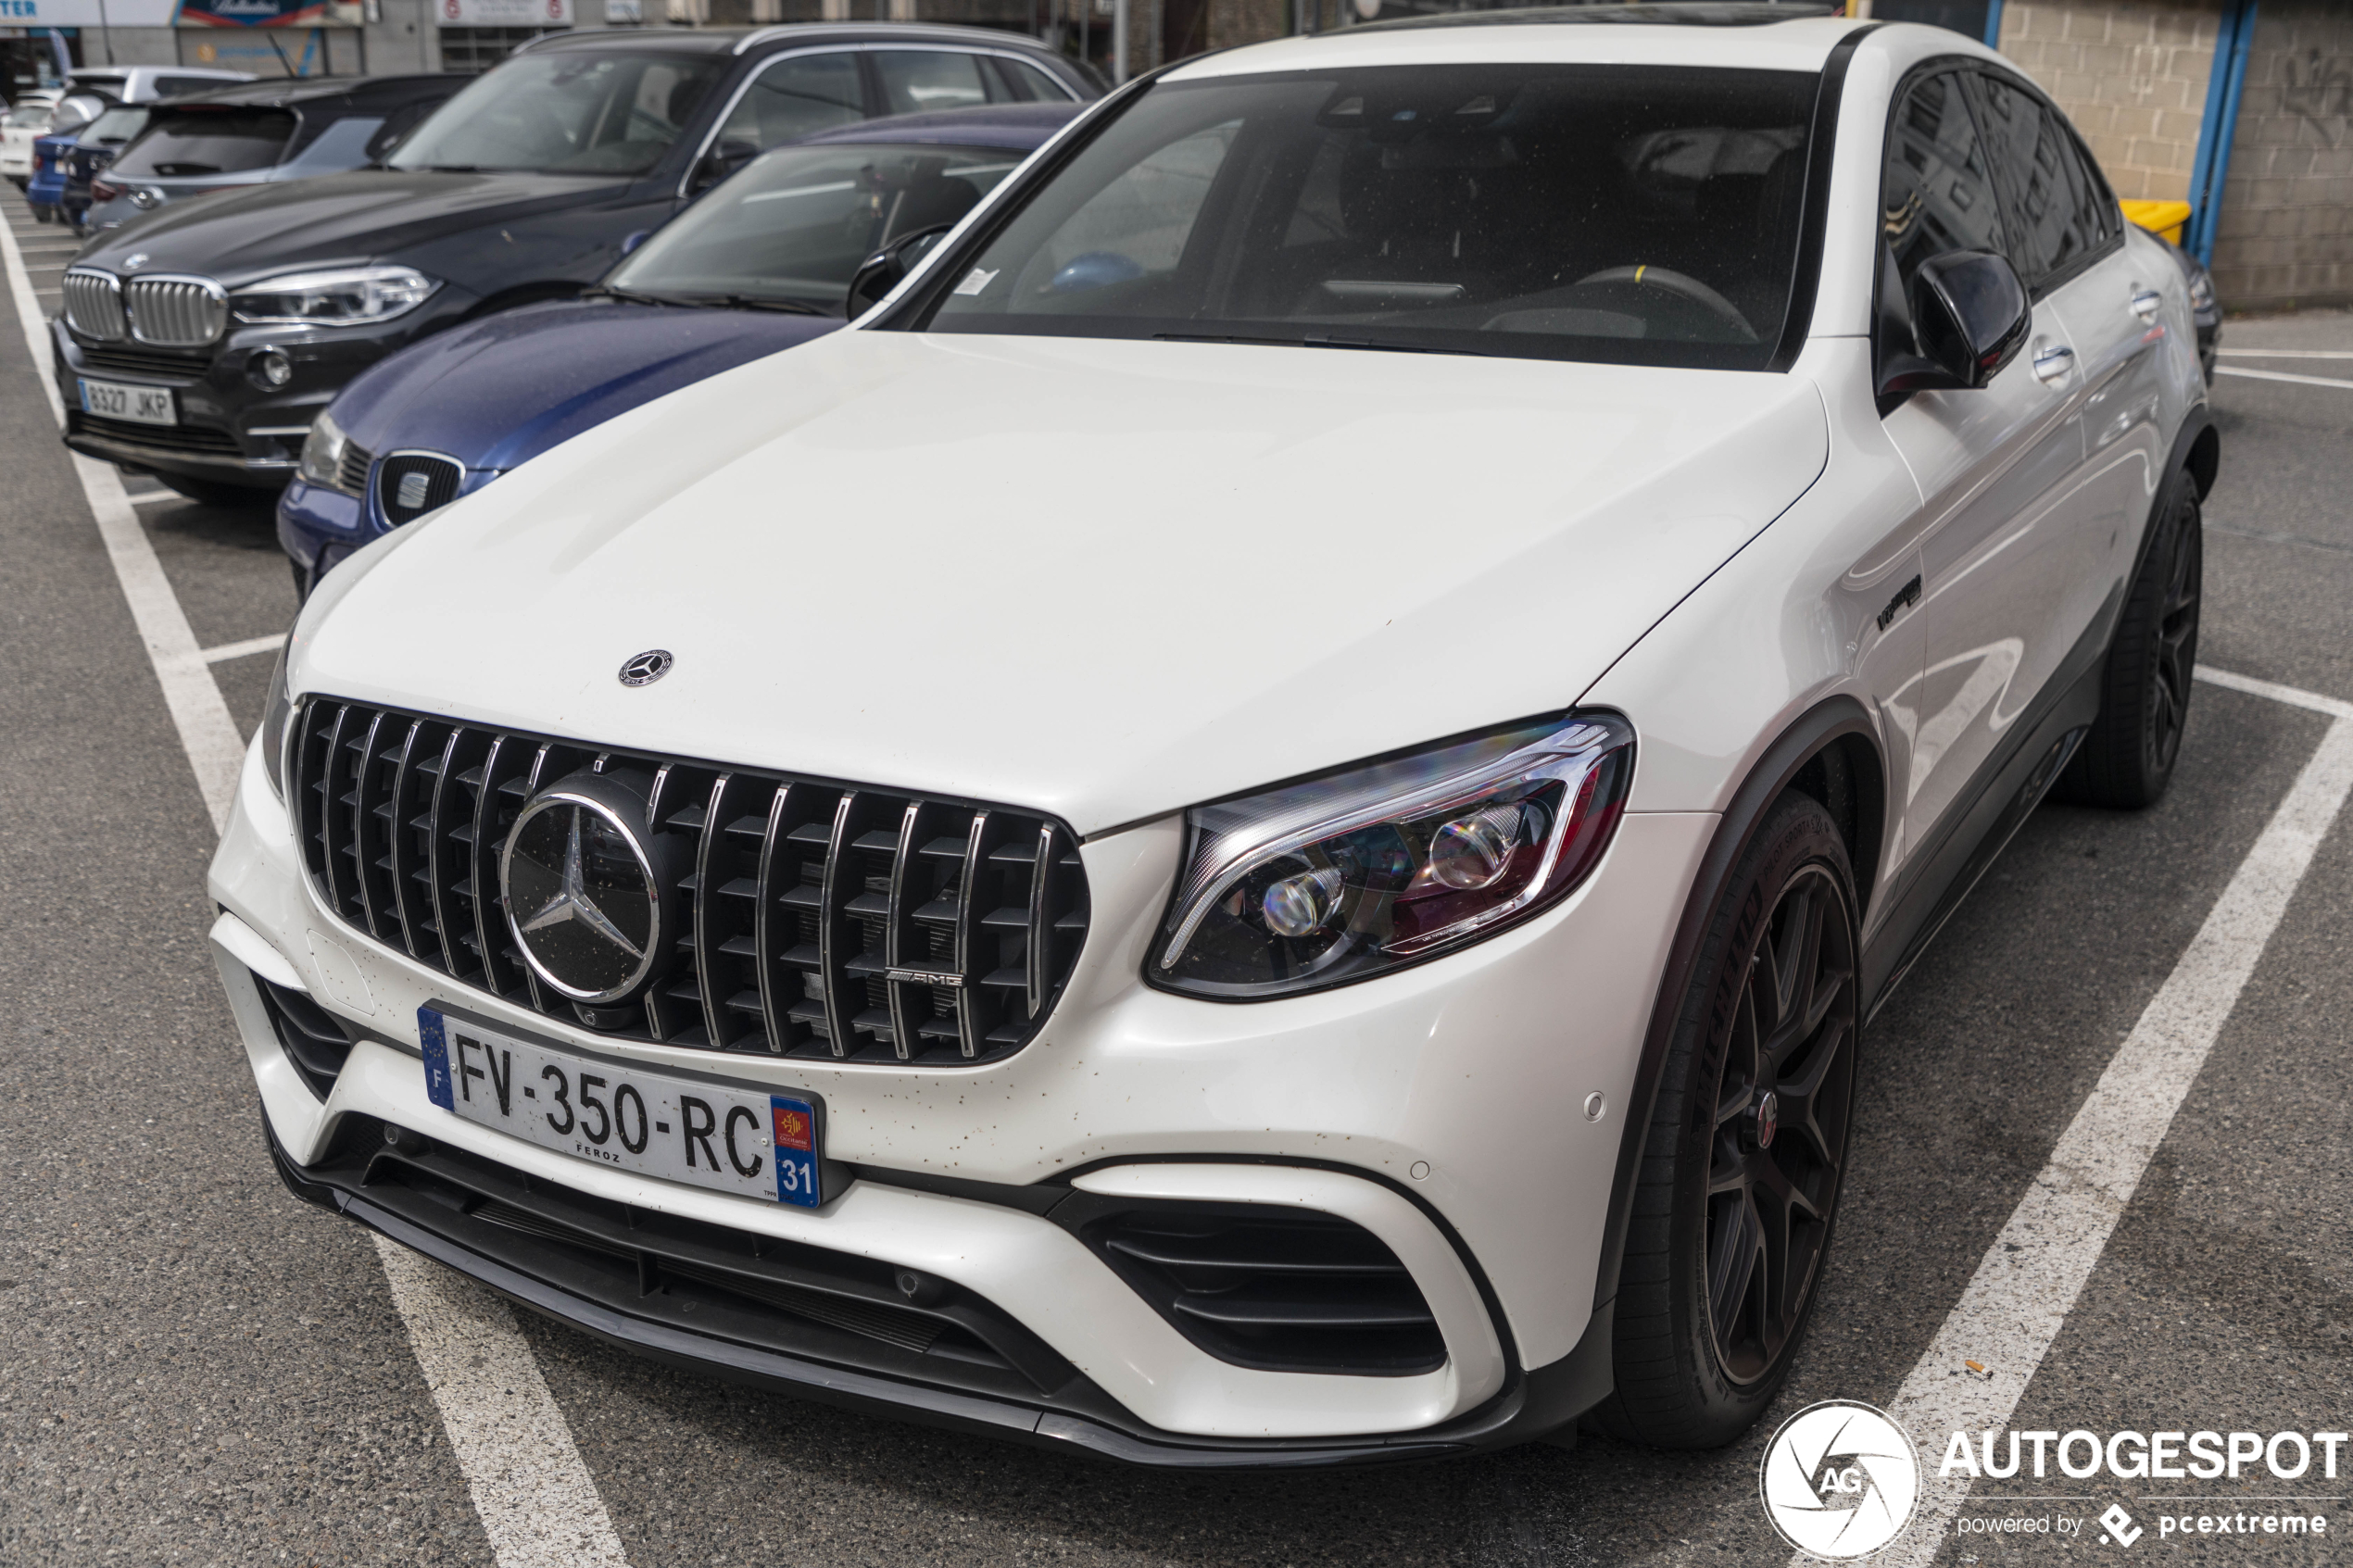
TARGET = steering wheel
x,y
1680,285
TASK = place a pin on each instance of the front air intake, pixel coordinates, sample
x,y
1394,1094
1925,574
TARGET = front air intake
x,y
816,918
1276,1290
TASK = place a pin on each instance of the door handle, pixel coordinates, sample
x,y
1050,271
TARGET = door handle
x,y
2052,364
2147,303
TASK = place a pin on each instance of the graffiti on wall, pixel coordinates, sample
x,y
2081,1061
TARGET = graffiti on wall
x,y
2320,91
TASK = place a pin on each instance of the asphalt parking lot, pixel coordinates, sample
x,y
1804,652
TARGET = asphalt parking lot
x,y
195,1368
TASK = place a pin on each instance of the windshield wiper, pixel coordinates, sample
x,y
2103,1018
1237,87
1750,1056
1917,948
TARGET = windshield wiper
x,y
790,307
631,296
1319,340
443,168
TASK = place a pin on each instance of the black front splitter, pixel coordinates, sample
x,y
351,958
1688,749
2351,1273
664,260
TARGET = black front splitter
x,y
1559,1392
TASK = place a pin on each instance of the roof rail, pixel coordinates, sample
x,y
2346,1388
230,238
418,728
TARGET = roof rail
x,y
913,30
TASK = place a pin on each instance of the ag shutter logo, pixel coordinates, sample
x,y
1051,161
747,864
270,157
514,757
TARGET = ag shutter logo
x,y
1839,1480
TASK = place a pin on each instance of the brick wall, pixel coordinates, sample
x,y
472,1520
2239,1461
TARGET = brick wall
x,y
2286,233
2132,74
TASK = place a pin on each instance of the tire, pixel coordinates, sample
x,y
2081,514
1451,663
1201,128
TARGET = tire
x,y
2128,758
1703,1335
213,493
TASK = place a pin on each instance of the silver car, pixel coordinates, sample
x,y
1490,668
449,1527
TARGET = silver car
x,y
259,132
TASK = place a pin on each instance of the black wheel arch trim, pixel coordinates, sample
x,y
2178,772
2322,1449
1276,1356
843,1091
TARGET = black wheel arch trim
x,y
1829,723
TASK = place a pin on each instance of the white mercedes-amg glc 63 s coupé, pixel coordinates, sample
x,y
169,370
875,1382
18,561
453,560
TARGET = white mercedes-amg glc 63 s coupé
x,y
1257,823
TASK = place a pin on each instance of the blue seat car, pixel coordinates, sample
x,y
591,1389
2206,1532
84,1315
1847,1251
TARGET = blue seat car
x,y
761,263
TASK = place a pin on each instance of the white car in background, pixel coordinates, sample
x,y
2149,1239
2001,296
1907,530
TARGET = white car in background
x,y
26,120
1255,824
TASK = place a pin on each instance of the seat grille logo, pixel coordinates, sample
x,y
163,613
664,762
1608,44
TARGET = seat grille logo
x,y
1839,1480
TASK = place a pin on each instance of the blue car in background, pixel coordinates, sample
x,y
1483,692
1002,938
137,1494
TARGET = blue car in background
x,y
75,114
760,264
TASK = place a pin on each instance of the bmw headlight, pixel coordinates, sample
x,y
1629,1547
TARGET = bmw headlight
x,y
274,723
344,296
2202,291
1353,875
323,452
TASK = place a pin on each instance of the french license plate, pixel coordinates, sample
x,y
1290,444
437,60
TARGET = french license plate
x,y
118,400
742,1141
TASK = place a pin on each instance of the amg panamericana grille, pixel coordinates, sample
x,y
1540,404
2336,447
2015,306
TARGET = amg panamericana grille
x,y
826,920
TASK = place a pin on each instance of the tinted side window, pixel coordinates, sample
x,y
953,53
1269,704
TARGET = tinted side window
x,y
1032,83
797,97
1936,193
2054,202
916,79
175,86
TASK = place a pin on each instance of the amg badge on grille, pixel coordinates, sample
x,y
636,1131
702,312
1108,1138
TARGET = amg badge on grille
x,y
647,668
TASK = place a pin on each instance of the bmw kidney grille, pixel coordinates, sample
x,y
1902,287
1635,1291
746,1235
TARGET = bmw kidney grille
x,y
798,917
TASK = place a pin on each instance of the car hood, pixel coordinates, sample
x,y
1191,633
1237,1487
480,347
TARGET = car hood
x,y
500,391
241,236
1105,579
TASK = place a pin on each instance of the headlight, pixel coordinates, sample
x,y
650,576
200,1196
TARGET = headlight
x,y
2202,292
274,723
1361,873
346,297
323,452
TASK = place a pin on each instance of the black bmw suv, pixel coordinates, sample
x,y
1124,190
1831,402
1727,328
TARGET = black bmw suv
x,y
199,342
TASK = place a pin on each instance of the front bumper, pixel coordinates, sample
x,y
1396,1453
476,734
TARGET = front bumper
x,y
232,431
1437,1108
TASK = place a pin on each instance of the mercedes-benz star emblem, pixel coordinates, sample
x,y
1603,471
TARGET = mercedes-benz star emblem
x,y
647,668
583,896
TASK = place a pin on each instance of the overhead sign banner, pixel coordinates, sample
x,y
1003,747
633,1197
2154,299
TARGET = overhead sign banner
x,y
504,13
264,13
86,13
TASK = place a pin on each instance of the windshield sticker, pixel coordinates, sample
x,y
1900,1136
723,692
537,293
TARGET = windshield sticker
x,y
977,280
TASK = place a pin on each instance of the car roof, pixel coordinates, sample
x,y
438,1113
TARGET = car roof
x,y
1706,34
744,41
1026,127
286,93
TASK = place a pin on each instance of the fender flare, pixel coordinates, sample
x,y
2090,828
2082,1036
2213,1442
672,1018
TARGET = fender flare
x,y
1822,726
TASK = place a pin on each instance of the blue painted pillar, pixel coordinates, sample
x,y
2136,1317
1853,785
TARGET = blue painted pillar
x,y
2210,169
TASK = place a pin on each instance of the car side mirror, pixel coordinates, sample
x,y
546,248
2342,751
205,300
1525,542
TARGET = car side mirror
x,y
888,267
720,162
1970,317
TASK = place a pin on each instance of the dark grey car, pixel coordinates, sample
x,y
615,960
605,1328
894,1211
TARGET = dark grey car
x,y
259,133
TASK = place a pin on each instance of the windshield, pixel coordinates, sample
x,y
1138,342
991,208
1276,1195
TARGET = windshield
x,y
796,223
207,141
564,114
114,128
33,117
1645,215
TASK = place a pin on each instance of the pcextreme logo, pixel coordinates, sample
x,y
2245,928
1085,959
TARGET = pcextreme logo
x,y
1839,1480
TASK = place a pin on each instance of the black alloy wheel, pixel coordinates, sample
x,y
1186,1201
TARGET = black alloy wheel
x,y
1736,1197
2127,759
1784,1100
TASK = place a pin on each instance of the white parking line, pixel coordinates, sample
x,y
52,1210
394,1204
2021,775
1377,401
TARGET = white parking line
x,y
2029,1279
246,649
2285,353
2279,375
538,1504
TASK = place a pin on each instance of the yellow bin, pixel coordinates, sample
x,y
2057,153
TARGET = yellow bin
x,y
2162,218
